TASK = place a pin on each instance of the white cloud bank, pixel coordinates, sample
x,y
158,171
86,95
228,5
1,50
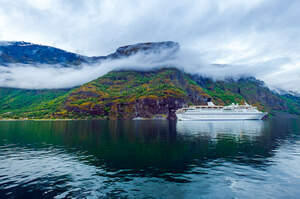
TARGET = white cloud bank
x,y
48,76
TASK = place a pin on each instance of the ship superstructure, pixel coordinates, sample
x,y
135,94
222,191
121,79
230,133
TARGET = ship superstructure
x,y
214,112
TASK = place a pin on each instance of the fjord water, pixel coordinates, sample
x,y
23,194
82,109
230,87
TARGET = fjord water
x,y
150,159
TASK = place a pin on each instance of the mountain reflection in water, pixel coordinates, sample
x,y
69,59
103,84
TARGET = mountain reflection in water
x,y
155,159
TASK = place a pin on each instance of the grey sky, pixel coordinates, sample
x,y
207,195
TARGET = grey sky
x,y
263,34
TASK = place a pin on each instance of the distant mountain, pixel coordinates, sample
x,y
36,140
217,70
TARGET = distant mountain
x,y
128,94
289,92
28,53
33,54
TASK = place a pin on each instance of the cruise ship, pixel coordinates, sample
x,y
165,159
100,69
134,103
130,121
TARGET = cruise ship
x,y
213,112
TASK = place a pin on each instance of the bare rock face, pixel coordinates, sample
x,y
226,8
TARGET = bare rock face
x,y
147,108
150,47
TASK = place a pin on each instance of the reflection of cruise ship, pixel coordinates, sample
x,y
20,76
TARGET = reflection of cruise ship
x,y
213,112
250,128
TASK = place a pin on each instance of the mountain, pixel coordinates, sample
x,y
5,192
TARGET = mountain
x,y
33,54
159,93
28,53
152,94
130,94
252,90
127,94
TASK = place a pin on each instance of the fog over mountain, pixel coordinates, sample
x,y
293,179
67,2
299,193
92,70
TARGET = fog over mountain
x,y
217,38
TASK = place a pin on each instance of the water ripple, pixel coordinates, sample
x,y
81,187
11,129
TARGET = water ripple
x,y
73,160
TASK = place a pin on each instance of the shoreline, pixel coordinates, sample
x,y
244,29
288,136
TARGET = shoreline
x,y
7,120
270,116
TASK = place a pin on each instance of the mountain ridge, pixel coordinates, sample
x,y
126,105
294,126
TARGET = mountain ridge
x,y
126,94
20,52
28,53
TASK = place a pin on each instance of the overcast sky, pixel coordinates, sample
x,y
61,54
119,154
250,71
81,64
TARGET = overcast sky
x,y
263,34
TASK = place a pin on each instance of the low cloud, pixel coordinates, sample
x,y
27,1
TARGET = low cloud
x,y
190,61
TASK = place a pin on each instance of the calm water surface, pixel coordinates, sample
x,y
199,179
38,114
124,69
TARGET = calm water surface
x,y
150,159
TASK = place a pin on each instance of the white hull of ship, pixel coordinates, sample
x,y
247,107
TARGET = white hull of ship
x,y
220,116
